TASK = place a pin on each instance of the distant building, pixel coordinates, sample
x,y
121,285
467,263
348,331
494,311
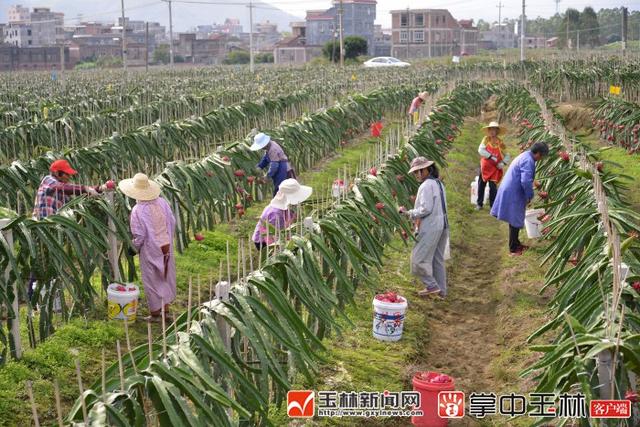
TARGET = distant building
x,y
39,28
420,33
498,37
201,51
14,58
265,35
358,20
552,42
294,49
381,41
231,26
18,13
533,42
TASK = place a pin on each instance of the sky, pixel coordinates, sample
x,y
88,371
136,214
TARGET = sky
x,y
206,14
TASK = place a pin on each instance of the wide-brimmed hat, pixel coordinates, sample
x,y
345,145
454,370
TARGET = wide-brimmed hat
x,y
495,125
420,163
260,141
140,187
423,95
294,192
279,201
62,166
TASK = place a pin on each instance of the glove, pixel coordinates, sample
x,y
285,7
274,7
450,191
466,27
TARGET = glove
x,y
92,192
131,251
493,158
402,210
500,165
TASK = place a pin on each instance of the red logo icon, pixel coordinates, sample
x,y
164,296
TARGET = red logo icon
x,y
451,404
300,403
610,409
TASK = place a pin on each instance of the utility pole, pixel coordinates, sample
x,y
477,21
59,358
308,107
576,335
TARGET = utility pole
x,y
146,46
625,16
522,32
170,34
408,30
250,6
500,6
557,2
124,38
340,14
430,34
578,41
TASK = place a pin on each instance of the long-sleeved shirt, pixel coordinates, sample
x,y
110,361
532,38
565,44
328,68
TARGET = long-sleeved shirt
x,y
277,218
494,159
431,205
516,191
52,194
415,104
278,163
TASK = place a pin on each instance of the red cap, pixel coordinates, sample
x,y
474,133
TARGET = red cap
x,y
62,166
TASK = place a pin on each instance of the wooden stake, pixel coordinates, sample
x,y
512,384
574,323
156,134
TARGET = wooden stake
x,y
103,371
188,305
149,342
34,411
81,388
228,264
126,334
56,392
164,332
199,298
120,367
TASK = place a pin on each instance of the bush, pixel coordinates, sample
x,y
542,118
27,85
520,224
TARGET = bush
x,y
161,55
264,58
354,46
237,57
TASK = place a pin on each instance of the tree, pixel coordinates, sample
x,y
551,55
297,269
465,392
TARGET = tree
x,y
354,46
482,25
570,24
161,54
589,29
237,57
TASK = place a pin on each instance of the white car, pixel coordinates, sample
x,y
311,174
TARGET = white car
x,y
385,61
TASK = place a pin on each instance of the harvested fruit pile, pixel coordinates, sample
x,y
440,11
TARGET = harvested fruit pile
x,y
434,377
390,297
121,288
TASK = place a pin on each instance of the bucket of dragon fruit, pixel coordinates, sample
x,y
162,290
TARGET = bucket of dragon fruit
x,y
388,316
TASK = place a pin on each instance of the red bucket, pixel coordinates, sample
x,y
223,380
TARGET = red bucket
x,y
423,384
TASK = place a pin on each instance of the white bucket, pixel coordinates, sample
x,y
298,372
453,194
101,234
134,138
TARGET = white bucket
x,y
388,319
338,188
473,192
122,305
532,223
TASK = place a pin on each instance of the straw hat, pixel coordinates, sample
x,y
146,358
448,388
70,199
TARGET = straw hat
x,y
294,192
140,187
423,95
495,125
420,163
260,141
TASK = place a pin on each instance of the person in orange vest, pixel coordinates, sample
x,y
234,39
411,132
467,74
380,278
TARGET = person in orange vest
x,y
492,163
415,106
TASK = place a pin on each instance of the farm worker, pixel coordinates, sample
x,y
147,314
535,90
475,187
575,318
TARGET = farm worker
x,y
516,193
415,105
55,190
153,226
427,257
492,162
278,215
279,167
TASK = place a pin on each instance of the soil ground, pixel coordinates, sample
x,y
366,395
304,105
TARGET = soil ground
x,y
477,335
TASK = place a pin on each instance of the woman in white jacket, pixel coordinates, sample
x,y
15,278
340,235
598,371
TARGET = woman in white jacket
x,y
427,257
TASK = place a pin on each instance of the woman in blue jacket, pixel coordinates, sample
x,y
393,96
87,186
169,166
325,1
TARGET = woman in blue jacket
x,y
279,167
